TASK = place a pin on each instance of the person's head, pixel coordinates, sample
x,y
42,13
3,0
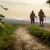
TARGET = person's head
x,y
41,10
32,11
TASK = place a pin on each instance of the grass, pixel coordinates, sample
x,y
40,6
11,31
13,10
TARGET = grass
x,y
38,31
6,38
7,30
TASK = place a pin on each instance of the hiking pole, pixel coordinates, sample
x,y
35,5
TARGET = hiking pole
x,y
45,20
36,19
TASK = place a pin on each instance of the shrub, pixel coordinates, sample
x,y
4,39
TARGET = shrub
x,y
6,38
40,32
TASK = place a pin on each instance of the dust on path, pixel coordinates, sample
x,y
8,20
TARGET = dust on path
x,y
26,42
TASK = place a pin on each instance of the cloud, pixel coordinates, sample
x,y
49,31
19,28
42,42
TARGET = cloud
x,y
24,2
12,3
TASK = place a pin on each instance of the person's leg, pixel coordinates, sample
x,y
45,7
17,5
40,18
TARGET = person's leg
x,y
31,21
40,22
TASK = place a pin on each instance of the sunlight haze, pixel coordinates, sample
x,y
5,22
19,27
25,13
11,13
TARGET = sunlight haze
x,y
21,9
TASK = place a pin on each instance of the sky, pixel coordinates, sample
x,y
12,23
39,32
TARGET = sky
x,y
21,9
27,1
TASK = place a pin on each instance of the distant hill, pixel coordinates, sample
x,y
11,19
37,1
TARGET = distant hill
x,y
8,20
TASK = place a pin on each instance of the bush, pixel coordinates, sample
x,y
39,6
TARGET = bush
x,y
6,38
40,32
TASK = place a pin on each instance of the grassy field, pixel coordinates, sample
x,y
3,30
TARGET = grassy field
x,y
6,38
39,32
7,30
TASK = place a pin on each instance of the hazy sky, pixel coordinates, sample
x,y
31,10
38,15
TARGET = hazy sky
x,y
22,8
27,1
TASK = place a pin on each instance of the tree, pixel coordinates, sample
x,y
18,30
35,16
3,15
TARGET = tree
x,y
1,23
1,16
48,2
3,7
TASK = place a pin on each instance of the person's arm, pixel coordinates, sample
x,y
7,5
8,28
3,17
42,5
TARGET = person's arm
x,y
30,15
39,14
34,14
44,15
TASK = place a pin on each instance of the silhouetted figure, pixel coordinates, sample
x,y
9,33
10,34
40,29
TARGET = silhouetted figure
x,y
41,17
32,17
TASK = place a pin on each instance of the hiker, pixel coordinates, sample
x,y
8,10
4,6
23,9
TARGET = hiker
x,y
32,17
41,17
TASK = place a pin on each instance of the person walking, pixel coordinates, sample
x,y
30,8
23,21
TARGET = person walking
x,y
32,17
41,17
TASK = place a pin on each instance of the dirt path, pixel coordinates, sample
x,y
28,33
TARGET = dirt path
x,y
26,42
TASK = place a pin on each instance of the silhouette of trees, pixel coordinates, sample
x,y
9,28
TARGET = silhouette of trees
x,y
48,2
3,7
1,16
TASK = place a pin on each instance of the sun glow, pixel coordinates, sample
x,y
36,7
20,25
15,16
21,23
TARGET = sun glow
x,y
22,8
28,1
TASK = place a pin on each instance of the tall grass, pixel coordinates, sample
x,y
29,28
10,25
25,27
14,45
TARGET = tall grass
x,y
38,31
6,38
